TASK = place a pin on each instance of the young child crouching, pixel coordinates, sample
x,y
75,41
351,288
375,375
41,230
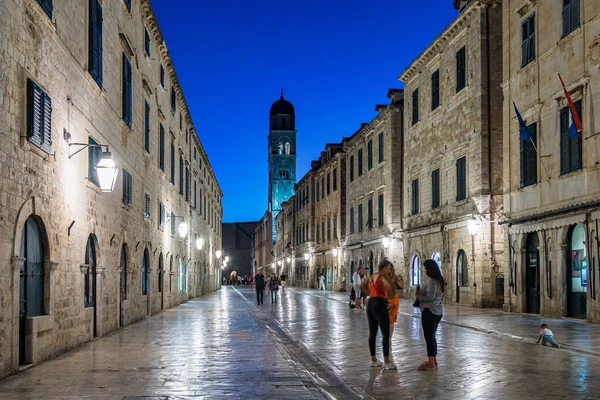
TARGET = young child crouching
x,y
546,336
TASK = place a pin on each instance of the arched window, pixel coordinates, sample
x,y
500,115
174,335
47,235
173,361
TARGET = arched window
x,y
438,260
461,268
123,272
160,273
280,148
32,273
145,259
179,275
415,270
287,148
89,291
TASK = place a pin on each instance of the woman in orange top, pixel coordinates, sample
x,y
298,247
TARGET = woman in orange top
x,y
393,300
377,312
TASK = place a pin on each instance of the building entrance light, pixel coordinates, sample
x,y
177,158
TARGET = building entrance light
x,y
106,169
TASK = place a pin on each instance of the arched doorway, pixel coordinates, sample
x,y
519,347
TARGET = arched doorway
x,y
171,274
145,261
577,273
161,272
90,279
31,289
415,271
462,277
371,266
532,273
123,283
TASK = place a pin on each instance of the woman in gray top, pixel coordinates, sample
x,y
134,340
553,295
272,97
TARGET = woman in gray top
x,y
430,296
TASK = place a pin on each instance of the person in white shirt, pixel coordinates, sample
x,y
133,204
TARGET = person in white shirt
x,y
322,282
546,336
356,280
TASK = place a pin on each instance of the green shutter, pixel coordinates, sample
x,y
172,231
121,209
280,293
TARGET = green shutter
x,y
381,149
146,126
565,148
566,17
126,91
575,14
95,41
94,155
161,148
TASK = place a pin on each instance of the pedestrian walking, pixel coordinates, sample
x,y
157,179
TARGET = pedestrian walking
x,y
356,280
322,282
283,277
274,287
363,295
259,285
430,296
546,336
378,286
397,283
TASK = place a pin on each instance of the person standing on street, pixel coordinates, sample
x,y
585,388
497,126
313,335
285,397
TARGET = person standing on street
x,y
356,280
259,285
274,287
322,282
283,278
377,312
430,296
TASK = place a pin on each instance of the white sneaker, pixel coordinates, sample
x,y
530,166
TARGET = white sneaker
x,y
375,363
389,365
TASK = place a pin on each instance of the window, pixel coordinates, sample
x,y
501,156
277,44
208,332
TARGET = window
x,y
173,100
161,148
195,154
204,207
179,276
351,220
351,168
381,149
370,214
89,290
571,16
195,195
415,106
328,230
461,178
322,188
147,41
187,184
360,162
380,210
570,145
370,155
46,6
127,188
529,158
287,148
415,269
461,268
162,76
128,5
435,189
162,215
334,179
94,155
335,234
172,164
200,208
328,184
39,117
360,218
181,127
32,270
172,224
146,205
95,41
323,230
528,40
461,69
181,172
123,265
145,271
415,197
317,229
126,92
435,89
146,126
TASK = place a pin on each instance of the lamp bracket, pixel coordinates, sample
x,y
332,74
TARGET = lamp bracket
x,y
84,146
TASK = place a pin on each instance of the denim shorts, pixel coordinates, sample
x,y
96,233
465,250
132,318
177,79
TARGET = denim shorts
x,y
548,339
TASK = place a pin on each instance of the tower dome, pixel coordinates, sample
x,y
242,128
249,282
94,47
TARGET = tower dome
x,y
282,106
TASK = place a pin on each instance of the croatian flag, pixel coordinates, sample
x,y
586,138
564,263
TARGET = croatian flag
x,y
524,132
575,126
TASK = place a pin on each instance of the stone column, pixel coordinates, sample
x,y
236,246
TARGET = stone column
x,y
521,295
17,266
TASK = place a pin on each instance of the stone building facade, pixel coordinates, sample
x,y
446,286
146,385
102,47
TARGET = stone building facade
x,y
75,262
303,273
285,237
330,216
263,244
374,190
237,245
551,181
453,156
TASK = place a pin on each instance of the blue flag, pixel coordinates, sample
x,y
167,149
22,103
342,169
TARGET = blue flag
x,y
524,132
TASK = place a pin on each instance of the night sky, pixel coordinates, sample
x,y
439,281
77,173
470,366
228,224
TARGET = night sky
x,y
335,60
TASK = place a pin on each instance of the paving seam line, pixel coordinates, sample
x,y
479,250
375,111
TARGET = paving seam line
x,y
507,336
349,384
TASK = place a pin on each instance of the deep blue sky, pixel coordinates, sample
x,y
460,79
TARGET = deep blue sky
x,y
335,59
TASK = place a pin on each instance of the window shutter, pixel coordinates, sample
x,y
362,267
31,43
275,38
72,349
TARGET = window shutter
x,y
95,41
93,159
46,6
34,112
415,106
575,14
161,148
370,154
380,210
381,149
461,72
435,189
126,91
566,16
46,133
147,41
565,147
461,184
147,126
524,42
172,164
531,44
532,157
523,153
576,142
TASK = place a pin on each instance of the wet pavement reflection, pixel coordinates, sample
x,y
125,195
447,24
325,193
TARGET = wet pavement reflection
x,y
308,346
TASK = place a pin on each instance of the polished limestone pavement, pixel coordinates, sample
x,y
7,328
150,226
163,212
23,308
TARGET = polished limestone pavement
x,y
308,346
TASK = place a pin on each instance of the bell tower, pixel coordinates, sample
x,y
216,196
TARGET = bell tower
x,y
282,155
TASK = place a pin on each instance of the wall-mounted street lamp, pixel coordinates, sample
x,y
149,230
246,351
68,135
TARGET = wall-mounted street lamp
x,y
335,252
199,243
218,253
289,260
473,227
306,256
106,169
386,242
182,228
226,259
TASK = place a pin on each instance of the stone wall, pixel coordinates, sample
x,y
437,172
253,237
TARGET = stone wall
x,y
68,208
